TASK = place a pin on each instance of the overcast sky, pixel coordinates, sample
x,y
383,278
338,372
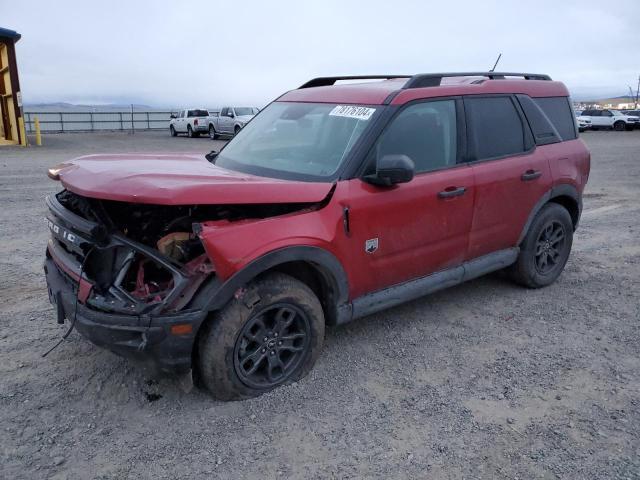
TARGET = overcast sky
x,y
173,53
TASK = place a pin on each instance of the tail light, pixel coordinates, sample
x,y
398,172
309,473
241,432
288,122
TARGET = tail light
x,y
195,122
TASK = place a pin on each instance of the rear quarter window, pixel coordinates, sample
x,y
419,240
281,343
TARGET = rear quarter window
x,y
558,111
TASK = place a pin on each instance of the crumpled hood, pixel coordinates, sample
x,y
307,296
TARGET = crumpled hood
x,y
178,179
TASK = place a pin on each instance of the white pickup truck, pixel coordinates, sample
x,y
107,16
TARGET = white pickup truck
x,y
192,121
229,120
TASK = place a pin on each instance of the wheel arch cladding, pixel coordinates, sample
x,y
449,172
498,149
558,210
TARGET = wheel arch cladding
x,y
563,194
571,204
319,269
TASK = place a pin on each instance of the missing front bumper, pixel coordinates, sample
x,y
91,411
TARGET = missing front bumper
x,y
146,338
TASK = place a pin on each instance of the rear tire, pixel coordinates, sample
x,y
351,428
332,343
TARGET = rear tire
x,y
545,249
620,126
173,131
190,133
212,132
272,335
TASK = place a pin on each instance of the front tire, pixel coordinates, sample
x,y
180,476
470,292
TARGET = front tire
x,y
270,336
620,126
545,249
236,130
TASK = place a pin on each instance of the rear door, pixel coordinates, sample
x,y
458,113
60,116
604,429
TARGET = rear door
x,y
413,229
510,174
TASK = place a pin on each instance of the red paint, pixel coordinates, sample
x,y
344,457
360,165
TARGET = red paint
x,y
178,180
417,232
504,201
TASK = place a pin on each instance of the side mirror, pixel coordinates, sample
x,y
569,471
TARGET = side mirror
x,y
392,169
230,114
173,115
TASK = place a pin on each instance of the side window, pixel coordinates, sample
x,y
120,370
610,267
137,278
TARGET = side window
x,y
607,113
182,114
224,111
558,111
594,113
190,113
425,132
542,127
495,125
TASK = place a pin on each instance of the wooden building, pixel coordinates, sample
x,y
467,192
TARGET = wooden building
x,y
10,98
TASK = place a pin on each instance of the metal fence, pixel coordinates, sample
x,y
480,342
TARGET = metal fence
x,y
57,122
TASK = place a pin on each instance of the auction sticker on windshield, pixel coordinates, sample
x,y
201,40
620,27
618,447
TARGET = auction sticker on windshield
x,y
352,111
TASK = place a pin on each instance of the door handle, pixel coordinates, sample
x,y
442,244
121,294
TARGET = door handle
x,y
451,192
530,175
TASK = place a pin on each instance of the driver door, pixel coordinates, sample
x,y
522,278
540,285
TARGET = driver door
x,y
413,229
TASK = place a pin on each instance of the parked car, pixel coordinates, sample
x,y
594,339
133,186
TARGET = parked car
x,y
192,121
230,120
584,123
335,202
632,113
611,119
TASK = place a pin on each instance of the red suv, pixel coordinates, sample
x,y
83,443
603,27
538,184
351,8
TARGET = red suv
x,y
334,202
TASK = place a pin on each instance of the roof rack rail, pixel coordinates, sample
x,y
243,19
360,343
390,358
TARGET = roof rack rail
x,y
434,79
326,81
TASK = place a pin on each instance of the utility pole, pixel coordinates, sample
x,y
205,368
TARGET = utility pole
x,y
637,93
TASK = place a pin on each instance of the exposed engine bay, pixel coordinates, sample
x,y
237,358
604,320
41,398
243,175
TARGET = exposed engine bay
x,y
150,257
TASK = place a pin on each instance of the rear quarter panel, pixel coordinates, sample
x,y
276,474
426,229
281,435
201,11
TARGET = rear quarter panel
x,y
570,163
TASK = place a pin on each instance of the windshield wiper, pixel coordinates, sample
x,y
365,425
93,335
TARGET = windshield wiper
x,y
211,156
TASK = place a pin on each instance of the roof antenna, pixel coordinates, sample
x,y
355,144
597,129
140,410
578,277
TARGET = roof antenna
x,y
496,64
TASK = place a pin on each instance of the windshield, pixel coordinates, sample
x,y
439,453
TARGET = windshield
x,y
306,141
243,111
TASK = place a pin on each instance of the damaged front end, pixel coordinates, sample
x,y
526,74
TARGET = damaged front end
x,y
138,259
128,274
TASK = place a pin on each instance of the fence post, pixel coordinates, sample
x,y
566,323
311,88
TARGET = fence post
x,y
38,136
148,124
91,119
121,126
61,122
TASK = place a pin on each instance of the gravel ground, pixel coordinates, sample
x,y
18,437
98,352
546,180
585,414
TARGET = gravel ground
x,y
484,380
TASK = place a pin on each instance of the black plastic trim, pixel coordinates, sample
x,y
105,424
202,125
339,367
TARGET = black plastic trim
x,y
562,190
328,81
218,293
413,289
146,338
434,79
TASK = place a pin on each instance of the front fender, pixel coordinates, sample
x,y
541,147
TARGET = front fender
x,y
220,292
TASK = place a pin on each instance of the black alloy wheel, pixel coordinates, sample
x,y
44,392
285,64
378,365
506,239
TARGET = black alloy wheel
x,y
550,247
272,345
